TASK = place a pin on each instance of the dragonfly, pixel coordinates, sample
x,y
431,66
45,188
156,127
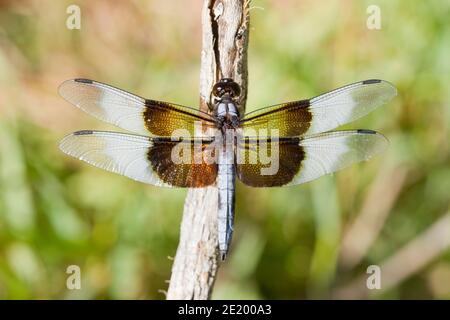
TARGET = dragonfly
x,y
216,147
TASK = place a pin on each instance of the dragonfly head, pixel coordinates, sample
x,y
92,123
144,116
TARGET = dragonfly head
x,y
226,86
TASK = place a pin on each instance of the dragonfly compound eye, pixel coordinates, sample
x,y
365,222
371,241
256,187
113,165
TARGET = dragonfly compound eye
x,y
224,86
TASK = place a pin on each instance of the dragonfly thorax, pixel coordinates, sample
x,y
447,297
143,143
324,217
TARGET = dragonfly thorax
x,y
226,113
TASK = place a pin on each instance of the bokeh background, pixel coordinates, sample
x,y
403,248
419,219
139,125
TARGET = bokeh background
x,y
305,242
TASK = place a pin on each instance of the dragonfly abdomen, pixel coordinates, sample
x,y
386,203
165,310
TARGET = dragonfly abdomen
x,y
226,181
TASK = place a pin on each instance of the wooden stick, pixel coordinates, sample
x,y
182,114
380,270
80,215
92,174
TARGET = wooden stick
x,y
224,55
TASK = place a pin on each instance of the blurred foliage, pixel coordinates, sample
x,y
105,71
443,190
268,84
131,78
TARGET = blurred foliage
x,y
56,211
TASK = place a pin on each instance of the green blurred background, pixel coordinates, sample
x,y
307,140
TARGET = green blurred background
x,y
309,241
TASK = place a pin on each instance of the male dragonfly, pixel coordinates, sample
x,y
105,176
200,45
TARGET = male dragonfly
x,y
298,133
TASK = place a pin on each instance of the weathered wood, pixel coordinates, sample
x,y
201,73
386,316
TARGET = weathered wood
x,y
224,55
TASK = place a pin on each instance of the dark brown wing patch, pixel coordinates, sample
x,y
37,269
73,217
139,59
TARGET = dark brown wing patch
x,y
290,119
162,119
250,172
196,174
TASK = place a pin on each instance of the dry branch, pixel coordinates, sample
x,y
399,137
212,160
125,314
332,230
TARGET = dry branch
x,y
404,263
376,208
224,55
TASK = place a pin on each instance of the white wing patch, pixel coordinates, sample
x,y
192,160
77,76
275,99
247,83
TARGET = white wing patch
x,y
348,103
106,103
115,152
329,152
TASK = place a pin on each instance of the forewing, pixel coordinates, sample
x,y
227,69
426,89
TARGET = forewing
x,y
322,113
131,112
